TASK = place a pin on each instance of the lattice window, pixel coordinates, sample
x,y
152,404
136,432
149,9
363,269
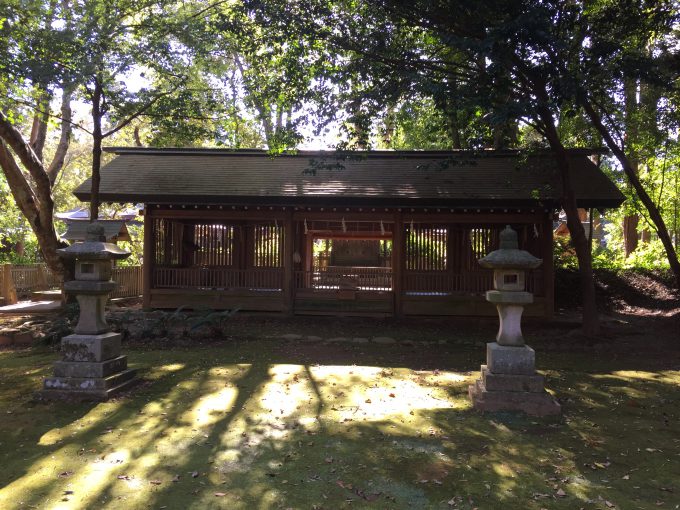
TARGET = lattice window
x,y
167,242
482,241
212,245
267,245
426,247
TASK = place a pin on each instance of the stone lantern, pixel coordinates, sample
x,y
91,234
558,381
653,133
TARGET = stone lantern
x,y
509,380
92,367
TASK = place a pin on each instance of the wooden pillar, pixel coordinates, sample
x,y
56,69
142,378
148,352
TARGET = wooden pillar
x,y
548,266
288,264
398,246
8,290
186,246
148,257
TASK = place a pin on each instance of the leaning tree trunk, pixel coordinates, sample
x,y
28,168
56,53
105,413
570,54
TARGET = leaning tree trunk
x,y
631,220
37,212
591,322
631,174
31,190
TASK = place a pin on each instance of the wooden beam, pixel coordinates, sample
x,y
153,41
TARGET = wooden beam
x,y
473,217
360,236
216,215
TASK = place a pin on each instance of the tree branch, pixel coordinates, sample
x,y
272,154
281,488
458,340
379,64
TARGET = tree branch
x,y
28,158
64,139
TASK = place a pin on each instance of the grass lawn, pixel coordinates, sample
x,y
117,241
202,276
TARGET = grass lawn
x,y
260,422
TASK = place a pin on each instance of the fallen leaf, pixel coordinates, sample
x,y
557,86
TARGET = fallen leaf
x,y
368,400
220,494
560,493
194,474
626,477
175,478
155,482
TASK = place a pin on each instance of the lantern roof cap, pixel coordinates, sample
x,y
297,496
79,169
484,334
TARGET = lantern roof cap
x,y
94,247
509,256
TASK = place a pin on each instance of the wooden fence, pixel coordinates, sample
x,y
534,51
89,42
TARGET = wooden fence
x,y
20,281
217,278
129,280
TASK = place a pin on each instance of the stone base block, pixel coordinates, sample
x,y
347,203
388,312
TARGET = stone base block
x,y
510,382
531,403
87,388
90,369
88,383
91,347
89,395
515,360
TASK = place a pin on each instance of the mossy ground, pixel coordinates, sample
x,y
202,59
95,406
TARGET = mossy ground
x,y
260,422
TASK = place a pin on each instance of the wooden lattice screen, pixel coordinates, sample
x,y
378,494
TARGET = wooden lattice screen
x,y
426,247
167,241
267,245
213,245
481,242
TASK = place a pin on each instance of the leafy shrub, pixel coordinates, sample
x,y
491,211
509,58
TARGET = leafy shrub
x,y
648,256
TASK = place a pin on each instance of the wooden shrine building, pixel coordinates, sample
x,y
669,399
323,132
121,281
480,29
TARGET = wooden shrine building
x,y
375,233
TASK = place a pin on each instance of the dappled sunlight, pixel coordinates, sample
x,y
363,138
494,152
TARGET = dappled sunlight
x,y
664,376
377,395
208,433
171,367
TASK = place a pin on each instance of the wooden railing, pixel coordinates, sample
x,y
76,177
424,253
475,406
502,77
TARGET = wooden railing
x,y
217,278
345,278
474,282
432,282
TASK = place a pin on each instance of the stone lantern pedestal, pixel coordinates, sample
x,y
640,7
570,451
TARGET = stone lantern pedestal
x,y
92,367
509,381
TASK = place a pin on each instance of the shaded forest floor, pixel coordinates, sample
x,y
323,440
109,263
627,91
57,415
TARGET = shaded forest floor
x,y
320,414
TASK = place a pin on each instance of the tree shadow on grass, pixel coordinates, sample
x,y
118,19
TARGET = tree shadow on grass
x,y
269,425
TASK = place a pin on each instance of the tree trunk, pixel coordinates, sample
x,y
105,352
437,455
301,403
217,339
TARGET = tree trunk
x,y
630,235
96,149
654,214
631,221
40,120
591,321
64,138
38,212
